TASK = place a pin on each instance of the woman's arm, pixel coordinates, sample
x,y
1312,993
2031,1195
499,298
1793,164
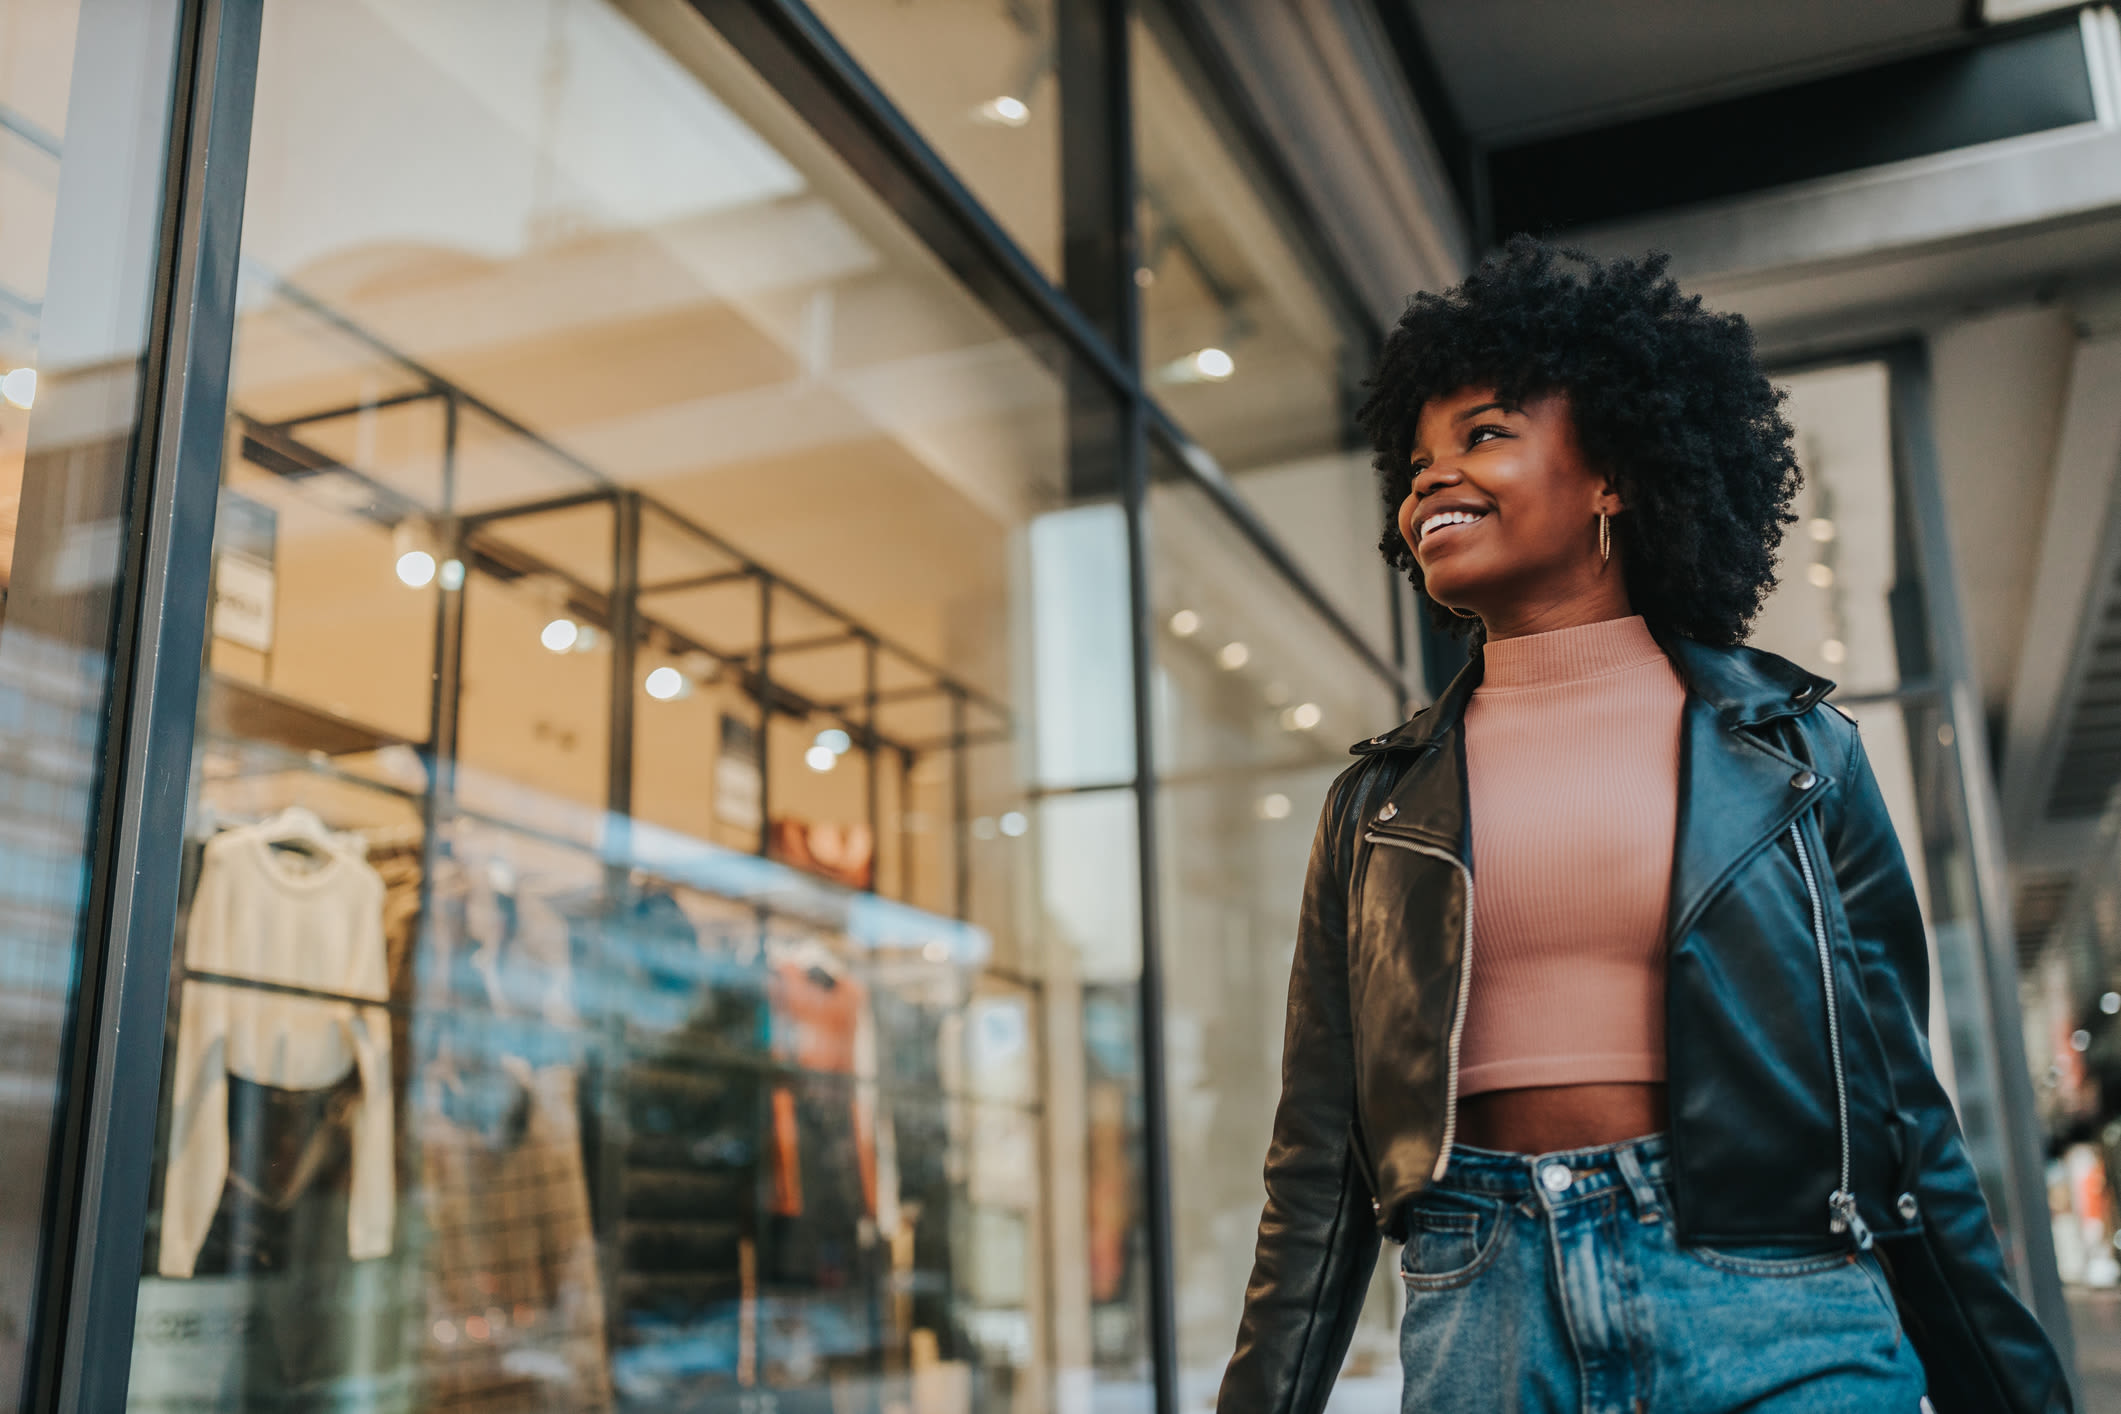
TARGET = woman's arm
x,y
1318,1238
1984,1349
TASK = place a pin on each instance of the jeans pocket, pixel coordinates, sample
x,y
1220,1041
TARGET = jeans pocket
x,y
1451,1239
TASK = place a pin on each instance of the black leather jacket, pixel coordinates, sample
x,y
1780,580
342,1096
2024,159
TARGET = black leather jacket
x,y
1771,784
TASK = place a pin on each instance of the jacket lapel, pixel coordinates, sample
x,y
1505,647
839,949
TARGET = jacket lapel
x,y
1737,791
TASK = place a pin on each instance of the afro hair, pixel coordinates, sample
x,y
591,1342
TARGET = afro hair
x,y
1668,400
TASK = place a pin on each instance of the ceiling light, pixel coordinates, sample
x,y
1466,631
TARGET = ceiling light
x,y
2080,1040
1234,656
1144,277
1302,717
1006,109
416,569
413,543
1945,734
1014,824
561,635
452,575
820,759
1274,807
20,387
1820,575
1185,623
667,684
1209,365
2110,1003
1834,651
835,741
1822,529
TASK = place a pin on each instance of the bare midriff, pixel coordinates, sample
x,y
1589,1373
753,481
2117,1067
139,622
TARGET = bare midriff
x,y
1542,1119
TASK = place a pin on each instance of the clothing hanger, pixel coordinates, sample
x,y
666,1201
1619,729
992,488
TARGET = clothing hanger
x,y
298,828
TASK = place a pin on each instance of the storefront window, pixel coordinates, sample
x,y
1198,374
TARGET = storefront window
x,y
980,80
85,100
1240,343
662,925
1256,703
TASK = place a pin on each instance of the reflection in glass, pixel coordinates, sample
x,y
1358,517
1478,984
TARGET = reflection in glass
x,y
980,80
1240,343
1256,704
84,111
654,899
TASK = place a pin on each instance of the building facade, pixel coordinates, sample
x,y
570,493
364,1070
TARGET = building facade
x,y
667,666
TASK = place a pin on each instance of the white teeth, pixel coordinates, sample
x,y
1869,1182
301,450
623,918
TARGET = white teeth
x,y
1447,518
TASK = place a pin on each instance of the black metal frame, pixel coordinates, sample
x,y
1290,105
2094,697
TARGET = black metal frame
x,y
1089,332
85,1315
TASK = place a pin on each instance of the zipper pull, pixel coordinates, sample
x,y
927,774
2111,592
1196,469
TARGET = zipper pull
x,y
1842,1217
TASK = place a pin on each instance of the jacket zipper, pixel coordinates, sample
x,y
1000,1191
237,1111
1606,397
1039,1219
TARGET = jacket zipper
x,y
1842,1216
1465,990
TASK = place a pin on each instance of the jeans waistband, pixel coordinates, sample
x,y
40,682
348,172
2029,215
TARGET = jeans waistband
x,y
1637,1166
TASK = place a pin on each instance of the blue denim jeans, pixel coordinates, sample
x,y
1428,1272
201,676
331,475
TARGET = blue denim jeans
x,y
1553,1283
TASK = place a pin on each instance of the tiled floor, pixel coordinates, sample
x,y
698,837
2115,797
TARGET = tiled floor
x,y
2096,1317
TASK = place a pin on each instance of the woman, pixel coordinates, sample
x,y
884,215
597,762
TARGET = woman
x,y
1655,1122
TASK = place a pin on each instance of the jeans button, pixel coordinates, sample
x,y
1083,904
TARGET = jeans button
x,y
1557,1178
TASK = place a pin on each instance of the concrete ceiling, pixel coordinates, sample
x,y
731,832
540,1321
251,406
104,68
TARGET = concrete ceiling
x,y
1520,68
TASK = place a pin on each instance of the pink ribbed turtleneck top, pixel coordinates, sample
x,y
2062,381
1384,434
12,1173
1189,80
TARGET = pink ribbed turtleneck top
x,y
1572,766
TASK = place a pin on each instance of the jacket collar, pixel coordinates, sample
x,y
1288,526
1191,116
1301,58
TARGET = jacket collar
x,y
1743,687
1737,789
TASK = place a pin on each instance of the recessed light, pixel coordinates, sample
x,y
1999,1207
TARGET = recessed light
x,y
1185,623
416,569
819,759
561,635
1006,109
666,684
1234,656
19,387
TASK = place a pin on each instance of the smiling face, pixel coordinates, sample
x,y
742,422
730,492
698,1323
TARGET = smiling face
x,y
1503,519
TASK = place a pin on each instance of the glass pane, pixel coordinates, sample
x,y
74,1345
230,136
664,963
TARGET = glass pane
x,y
84,113
1256,704
663,877
1242,345
978,80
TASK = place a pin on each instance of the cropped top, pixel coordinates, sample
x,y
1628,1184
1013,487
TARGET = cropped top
x,y
1572,773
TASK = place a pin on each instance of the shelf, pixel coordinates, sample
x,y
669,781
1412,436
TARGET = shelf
x,y
242,711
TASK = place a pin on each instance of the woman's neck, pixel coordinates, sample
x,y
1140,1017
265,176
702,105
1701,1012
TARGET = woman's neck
x,y
1589,598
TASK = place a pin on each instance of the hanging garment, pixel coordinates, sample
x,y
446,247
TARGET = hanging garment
x,y
515,1303
313,923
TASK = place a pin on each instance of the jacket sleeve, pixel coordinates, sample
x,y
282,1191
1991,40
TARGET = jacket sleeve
x,y
1985,1351
1317,1238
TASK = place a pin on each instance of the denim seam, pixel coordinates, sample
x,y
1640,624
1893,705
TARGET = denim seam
x,y
1769,1266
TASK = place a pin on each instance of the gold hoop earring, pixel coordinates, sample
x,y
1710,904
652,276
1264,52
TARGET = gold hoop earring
x,y
1464,613
1605,538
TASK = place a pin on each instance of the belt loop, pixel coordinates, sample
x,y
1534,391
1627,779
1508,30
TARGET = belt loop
x,y
1647,1207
